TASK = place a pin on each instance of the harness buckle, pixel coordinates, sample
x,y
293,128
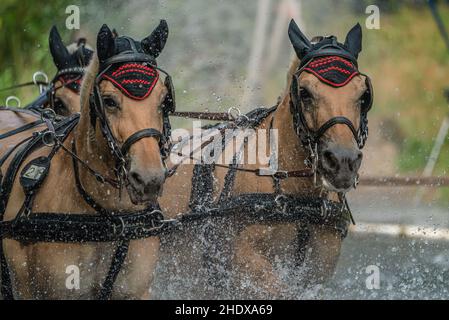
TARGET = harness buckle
x,y
49,139
356,181
324,209
281,174
48,114
281,203
122,227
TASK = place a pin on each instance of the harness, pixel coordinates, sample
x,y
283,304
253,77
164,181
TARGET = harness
x,y
103,226
260,207
278,207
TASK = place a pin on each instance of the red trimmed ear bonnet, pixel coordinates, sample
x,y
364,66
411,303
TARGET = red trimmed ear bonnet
x,y
332,62
70,65
131,65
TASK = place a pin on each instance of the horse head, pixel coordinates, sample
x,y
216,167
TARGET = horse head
x,y
128,107
70,62
330,100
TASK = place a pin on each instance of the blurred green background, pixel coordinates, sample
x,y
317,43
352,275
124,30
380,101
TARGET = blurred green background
x,y
210,41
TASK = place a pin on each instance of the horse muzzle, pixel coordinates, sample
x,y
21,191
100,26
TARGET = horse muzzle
x,y
339,166
145,186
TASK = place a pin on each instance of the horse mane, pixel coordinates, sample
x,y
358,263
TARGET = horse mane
x,y
88,82
291,71
87,87
294,64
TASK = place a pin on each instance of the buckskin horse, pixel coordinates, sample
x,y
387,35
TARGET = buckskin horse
x,y
63,93
252,225
80,193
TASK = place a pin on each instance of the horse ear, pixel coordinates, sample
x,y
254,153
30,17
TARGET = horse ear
x,y
59,52
105,43
299,41
155,43
354,40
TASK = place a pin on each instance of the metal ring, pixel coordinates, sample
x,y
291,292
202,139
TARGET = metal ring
x,y
48,139
48,114
39,74
278,198
324,209
234,109
12,98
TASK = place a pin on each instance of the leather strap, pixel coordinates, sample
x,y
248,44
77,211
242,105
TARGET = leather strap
x,y
145,133
116,265
332,122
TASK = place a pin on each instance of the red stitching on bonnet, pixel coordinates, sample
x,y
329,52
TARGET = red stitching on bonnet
x,y
128,93
334,68
326,60
131,81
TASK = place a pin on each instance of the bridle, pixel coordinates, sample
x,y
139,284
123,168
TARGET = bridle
x,y
74,73
311,138
97,112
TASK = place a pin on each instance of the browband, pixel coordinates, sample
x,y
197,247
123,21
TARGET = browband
x,y
128,56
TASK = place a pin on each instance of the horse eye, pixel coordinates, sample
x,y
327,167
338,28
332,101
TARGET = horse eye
x,y
305,96
110,103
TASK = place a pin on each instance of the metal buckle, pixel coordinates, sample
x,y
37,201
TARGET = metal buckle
x,y
49,139
281,174
324,209
356,181
48,114
281,205
122,227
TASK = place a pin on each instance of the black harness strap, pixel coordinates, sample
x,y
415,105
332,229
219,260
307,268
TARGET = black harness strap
x,y
6,285
202,186
117,262
145,133
63,128
82,228
23,128
270,207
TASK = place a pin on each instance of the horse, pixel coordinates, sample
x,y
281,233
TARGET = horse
x,y
63,93
83,198
258,233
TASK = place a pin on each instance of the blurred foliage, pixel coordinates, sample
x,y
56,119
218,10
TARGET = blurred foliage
x,y
24,27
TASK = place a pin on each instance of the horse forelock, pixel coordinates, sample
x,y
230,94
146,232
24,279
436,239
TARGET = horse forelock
x,y
291,71
88,83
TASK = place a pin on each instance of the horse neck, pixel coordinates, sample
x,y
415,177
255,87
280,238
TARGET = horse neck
x,y
291,154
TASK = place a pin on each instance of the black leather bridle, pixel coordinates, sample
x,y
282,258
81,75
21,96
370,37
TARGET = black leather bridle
x,y
311,137
97,111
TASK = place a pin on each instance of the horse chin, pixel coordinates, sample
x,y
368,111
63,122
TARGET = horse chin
x,y
333,187
138,198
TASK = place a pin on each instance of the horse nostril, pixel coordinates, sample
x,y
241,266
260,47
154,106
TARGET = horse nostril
x,y
136,177
331,160
355,163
